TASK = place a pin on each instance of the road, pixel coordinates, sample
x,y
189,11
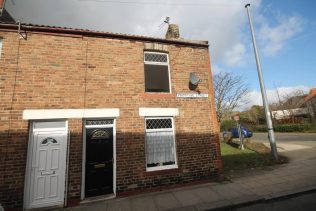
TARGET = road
x,y
302,202
296,146
286,137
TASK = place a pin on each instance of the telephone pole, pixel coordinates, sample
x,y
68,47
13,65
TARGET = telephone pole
x,y
263,90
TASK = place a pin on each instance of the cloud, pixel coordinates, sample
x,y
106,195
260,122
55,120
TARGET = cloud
x,y
235,55
274,38
218,21
255,97
223,23
216,69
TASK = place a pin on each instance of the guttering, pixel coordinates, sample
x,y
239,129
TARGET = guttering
x,y
88,33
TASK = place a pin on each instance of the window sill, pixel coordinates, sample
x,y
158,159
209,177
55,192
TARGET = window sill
x,y
153,95
162,170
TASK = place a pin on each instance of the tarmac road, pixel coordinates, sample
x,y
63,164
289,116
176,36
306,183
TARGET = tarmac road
x,y
286,137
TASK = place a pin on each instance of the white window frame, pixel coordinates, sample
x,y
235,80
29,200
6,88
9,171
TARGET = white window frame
x,y
161,64
46,129
157,168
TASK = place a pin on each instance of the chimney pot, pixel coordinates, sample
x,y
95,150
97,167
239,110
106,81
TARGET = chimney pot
x,y
1,4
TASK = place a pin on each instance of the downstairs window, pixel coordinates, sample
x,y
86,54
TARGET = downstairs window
x,y
160,144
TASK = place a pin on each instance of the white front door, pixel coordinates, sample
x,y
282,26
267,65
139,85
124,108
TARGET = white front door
x,y
47,169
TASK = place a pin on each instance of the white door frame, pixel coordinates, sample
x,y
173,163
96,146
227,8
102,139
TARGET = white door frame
x,y
27,181
84,153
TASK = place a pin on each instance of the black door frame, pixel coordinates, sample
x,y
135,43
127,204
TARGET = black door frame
x,y
84,155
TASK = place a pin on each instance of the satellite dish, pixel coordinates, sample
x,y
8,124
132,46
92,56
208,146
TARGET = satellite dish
x,y
194,80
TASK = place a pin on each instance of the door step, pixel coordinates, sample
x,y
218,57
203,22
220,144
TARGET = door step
x,y
97,198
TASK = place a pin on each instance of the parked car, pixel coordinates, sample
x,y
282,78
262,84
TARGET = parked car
x,y
233,133
245,132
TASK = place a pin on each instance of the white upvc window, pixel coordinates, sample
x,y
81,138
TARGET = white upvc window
x,y
160,144
157,72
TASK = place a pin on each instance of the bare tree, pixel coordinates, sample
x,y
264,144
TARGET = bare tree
x,y
230,93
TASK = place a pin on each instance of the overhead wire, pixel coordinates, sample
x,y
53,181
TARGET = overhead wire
x,y
163,3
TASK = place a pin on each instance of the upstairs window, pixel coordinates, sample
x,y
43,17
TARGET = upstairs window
x,y
157,74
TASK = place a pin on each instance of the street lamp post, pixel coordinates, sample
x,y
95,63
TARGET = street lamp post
x,y
263,90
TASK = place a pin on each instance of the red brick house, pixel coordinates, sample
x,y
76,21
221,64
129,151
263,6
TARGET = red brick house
x,y
87,114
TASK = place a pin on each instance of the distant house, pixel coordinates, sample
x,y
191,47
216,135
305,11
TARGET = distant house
x,y
297,106
94,114
310,101
292,107
288,113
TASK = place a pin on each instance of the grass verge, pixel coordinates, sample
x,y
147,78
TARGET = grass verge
x,y
254,156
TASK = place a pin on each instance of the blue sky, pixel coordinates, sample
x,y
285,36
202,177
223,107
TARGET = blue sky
x,y
285,31
294,63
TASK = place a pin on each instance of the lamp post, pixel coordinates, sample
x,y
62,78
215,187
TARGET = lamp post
x,y
263,90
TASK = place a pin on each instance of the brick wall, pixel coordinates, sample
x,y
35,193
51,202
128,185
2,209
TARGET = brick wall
x,y
48,71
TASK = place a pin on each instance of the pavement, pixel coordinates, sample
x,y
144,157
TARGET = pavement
x,y
244,188
296,146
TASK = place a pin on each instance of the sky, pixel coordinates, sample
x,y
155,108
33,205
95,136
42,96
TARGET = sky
x,y
285,32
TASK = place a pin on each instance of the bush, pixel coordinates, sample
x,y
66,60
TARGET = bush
x,y
259,128
286,128
289,128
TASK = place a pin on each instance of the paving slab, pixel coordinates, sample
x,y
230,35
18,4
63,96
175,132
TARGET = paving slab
x,y
244,199
213,205
144,203
166,201
187,198
119,205
207,194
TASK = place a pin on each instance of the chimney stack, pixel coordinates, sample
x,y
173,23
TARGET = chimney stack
x,y
173,32
2,2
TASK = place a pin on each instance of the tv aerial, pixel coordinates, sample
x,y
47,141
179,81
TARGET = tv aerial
x,y
166,21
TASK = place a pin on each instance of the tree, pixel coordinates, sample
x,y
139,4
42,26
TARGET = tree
x,y
230,92
255,115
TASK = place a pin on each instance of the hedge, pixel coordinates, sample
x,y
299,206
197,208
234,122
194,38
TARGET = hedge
x,y
286,128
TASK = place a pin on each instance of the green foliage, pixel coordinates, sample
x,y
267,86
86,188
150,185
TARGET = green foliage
x,y
255,115
259,128
236,159
227,124
287,128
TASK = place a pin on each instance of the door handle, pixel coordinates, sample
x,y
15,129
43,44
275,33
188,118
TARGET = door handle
x,y
47,173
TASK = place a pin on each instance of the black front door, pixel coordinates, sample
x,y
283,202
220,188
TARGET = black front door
x,y
99,161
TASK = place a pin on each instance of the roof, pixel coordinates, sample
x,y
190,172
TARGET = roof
x,y
6,17
312,94
85,32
